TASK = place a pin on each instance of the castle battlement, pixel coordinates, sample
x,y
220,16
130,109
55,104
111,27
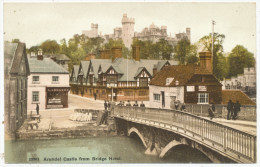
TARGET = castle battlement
x,y
125,19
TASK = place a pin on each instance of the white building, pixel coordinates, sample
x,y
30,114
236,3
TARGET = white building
x,y
48,84
93,33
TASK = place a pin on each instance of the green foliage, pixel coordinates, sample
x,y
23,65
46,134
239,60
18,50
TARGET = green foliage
x,y
192,57
117,43
50,47
34,49
16,40
149,50
238,59
182,50
220,66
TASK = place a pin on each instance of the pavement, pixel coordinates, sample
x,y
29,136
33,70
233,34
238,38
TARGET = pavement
x,y
246,126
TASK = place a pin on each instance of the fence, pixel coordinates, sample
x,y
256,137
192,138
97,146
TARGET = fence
x,y
235,143
247,112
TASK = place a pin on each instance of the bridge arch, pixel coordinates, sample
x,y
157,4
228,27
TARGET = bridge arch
x,y
134,130
170,145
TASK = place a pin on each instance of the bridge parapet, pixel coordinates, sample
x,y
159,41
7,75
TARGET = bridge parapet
x,y
232,143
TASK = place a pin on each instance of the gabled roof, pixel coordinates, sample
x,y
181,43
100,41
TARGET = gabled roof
x,y
75,70
181,73
60,57
236,95
15,53
45,66
84,65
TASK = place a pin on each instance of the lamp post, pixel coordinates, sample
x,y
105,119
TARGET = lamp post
x,y
213,23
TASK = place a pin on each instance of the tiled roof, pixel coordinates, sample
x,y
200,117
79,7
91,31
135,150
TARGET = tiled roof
x,y
76,70
46,65
180,73
84,66
236,95
60,57
14,52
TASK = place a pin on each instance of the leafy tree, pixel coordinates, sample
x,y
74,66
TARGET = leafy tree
x,y
165,49
50,46
34,49
239,58
182,50
192,57
117,43
218,62
16,40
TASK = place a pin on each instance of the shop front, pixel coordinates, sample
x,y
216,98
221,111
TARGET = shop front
x,y
57,97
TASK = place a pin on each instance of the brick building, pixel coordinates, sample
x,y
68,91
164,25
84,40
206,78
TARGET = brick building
x,y
117,77
16,71
186,83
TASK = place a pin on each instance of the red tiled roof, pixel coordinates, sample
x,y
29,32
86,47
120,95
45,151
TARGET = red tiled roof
x,y
181,73
236,95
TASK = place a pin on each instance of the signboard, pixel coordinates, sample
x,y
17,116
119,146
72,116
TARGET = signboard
x,y
202,88
57,89
54,106
190,88
54,101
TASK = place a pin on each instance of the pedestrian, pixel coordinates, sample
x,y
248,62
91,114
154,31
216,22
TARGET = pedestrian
x,y
95,96
230,109
128,104
183,107
37,109
142,104
236,110
108,105
176,105
210,111
136,104
105,105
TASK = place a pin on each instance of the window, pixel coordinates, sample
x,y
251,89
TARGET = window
x,y
35,96
36,79
111,79
55,78
156,97
203,98
143,82
143,93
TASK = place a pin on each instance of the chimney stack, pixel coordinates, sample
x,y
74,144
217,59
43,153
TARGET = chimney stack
x,y
116,52
136,52
39,55
154,70
205,61
104,54
90,56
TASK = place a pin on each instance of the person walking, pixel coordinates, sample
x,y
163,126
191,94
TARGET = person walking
x,y
236,110
95,96
37,109
230,109
211,112
183,107
105,105
177,105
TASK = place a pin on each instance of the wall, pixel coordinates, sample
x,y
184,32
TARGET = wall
x,y
178,92
44,81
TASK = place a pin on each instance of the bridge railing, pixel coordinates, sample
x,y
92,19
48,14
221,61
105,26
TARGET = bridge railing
x,y
223,138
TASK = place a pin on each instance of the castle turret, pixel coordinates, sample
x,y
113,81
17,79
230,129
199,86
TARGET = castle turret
x,y
188,33
127,30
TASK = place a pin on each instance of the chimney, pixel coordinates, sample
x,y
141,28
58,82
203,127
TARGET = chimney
x,y
39,55
205,61
90,56
136,52
116,52
154,70
104,54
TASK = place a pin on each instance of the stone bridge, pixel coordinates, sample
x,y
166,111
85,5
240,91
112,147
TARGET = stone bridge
x,y
161,130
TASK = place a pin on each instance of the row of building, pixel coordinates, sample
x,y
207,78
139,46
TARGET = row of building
x,y
31,80
126,33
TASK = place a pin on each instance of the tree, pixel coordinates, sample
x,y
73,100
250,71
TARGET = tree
x,y
192,57
117,43
238,59
50,46
218,58
165,49
181,50
16,40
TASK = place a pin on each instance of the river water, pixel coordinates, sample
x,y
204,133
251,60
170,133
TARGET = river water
x,y
119,149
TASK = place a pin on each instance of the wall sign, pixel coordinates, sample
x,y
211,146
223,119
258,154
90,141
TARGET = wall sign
x,y
202,88
190,88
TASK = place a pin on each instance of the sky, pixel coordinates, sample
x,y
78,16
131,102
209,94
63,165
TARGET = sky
x,y
34,23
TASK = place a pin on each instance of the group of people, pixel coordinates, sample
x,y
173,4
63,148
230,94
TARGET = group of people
x,y
107,105
81,117
177,105
233,110
121,103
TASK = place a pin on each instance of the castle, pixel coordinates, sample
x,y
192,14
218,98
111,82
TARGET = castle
x,y
127,33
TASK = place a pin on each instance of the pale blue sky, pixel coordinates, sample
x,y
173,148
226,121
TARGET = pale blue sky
x,y
36,22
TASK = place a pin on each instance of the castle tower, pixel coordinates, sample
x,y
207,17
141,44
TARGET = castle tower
x,y
94,29
188,33
127,30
